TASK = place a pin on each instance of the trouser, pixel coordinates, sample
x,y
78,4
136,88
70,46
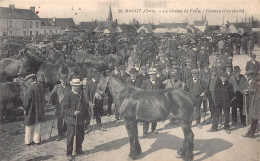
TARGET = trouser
x,y
70,138
110,102
33,133
211,104
204,102
198,102
253,127
234,115
61,126
217,114
98,118
146,127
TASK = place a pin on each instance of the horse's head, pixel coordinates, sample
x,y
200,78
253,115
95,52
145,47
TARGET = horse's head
x,y
102,86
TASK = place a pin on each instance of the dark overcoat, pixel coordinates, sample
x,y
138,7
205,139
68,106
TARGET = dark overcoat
x,y
148,85
33,103
56,95
223,93
72,102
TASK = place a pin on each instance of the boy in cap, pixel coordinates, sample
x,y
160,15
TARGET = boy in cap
x,y
151,84
143,73
197,88
223,94
75,114
56,95
95,104
33,103
123,75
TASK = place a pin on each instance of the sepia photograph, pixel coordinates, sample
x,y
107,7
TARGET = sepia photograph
x,y
124,80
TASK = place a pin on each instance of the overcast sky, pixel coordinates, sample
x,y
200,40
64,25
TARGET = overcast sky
x,y
98,9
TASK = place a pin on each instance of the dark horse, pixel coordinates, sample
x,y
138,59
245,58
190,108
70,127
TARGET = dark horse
x,y
135,104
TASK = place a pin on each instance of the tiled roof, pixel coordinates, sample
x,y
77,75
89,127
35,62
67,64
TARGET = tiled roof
x,y
199,23
87,25
64,22
128,28
172,25
25,14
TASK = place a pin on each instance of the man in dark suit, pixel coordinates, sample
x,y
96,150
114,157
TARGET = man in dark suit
x,y
151,84
205,76
223,95
196,87
123,75
253,65
237,80
143,74
75,114
133,80
159,74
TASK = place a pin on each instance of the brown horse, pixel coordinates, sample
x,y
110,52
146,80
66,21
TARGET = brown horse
x,y
10,67
135,104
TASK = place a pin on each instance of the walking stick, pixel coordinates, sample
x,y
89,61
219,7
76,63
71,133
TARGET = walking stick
x,y
246,110
74,139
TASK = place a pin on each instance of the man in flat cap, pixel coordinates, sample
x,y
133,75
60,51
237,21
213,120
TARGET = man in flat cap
x,y
151,84
253,65
237,80
186,75
223,94
123,75
34,104
159,74
203,58
197,88
143,73
56,95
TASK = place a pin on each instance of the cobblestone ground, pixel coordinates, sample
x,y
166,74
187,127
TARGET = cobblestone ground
x,y
113,144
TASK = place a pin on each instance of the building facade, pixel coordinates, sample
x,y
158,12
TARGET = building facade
x,y
19,22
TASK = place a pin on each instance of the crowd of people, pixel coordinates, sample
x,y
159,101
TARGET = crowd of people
x,y
154,63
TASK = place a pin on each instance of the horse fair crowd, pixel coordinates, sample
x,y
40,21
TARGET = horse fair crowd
x,y
150,62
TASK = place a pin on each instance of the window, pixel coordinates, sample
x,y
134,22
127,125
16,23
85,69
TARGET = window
x,y
37,25
44,32
50,31
31,24
36,33
10,24
24,33
24,24
30,33
4,33
10,33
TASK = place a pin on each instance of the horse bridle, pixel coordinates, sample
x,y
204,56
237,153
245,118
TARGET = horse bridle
x,y
101,92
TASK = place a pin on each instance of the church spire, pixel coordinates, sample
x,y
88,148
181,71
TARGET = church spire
x,y
110,17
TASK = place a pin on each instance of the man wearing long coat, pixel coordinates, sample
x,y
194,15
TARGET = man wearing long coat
x,y
223,94
56,95
254,107
33,104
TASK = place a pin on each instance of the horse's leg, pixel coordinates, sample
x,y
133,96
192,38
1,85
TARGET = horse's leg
x,y
137,144
187,147
131,127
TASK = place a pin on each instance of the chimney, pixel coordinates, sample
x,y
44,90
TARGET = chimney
x,y
32,9
12,6
54,19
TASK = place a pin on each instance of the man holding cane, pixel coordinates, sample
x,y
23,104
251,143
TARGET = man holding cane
x,y
75,114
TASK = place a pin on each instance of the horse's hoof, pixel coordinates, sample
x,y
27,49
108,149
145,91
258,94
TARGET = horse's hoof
x,y
132,156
